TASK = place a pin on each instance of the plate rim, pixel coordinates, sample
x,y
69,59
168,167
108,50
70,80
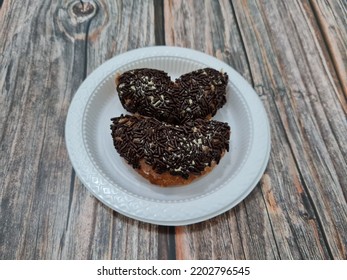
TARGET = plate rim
x,y
100,74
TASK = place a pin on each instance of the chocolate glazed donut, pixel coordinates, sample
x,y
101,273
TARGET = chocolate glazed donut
x,y
168,154
150,92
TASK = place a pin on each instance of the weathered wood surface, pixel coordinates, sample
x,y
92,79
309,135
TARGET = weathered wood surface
x,y
46,52
295,77
294,53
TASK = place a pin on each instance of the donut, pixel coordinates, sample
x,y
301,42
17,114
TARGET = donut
x,y
150,92
168,154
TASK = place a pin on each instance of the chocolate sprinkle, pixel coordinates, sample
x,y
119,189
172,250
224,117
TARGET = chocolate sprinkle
x,y
180,150
194,95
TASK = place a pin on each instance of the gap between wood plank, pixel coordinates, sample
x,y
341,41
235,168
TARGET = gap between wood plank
x,y
72,189
159,33
168,237
167,247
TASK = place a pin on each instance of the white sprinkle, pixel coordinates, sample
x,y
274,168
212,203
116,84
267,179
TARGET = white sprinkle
x,y
156,103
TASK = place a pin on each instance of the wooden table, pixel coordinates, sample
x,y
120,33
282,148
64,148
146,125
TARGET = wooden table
x,y
294,54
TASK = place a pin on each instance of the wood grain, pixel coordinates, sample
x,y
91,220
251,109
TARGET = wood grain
x,y
46,213
293,53
307,170
35,97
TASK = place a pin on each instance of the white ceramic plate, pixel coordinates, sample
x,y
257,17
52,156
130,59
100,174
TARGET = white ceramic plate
x,y
116,184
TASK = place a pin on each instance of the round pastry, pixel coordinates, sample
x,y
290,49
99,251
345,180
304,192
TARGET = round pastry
x,y
168,154
150,92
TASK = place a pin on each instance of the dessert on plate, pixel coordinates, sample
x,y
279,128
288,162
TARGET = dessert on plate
x,y
168,154
150,92
170,139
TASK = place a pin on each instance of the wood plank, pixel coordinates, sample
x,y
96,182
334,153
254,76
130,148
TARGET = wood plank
x,y
34,101
295,224
116,28
300,207
192,24
293,53
306,98
46,213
